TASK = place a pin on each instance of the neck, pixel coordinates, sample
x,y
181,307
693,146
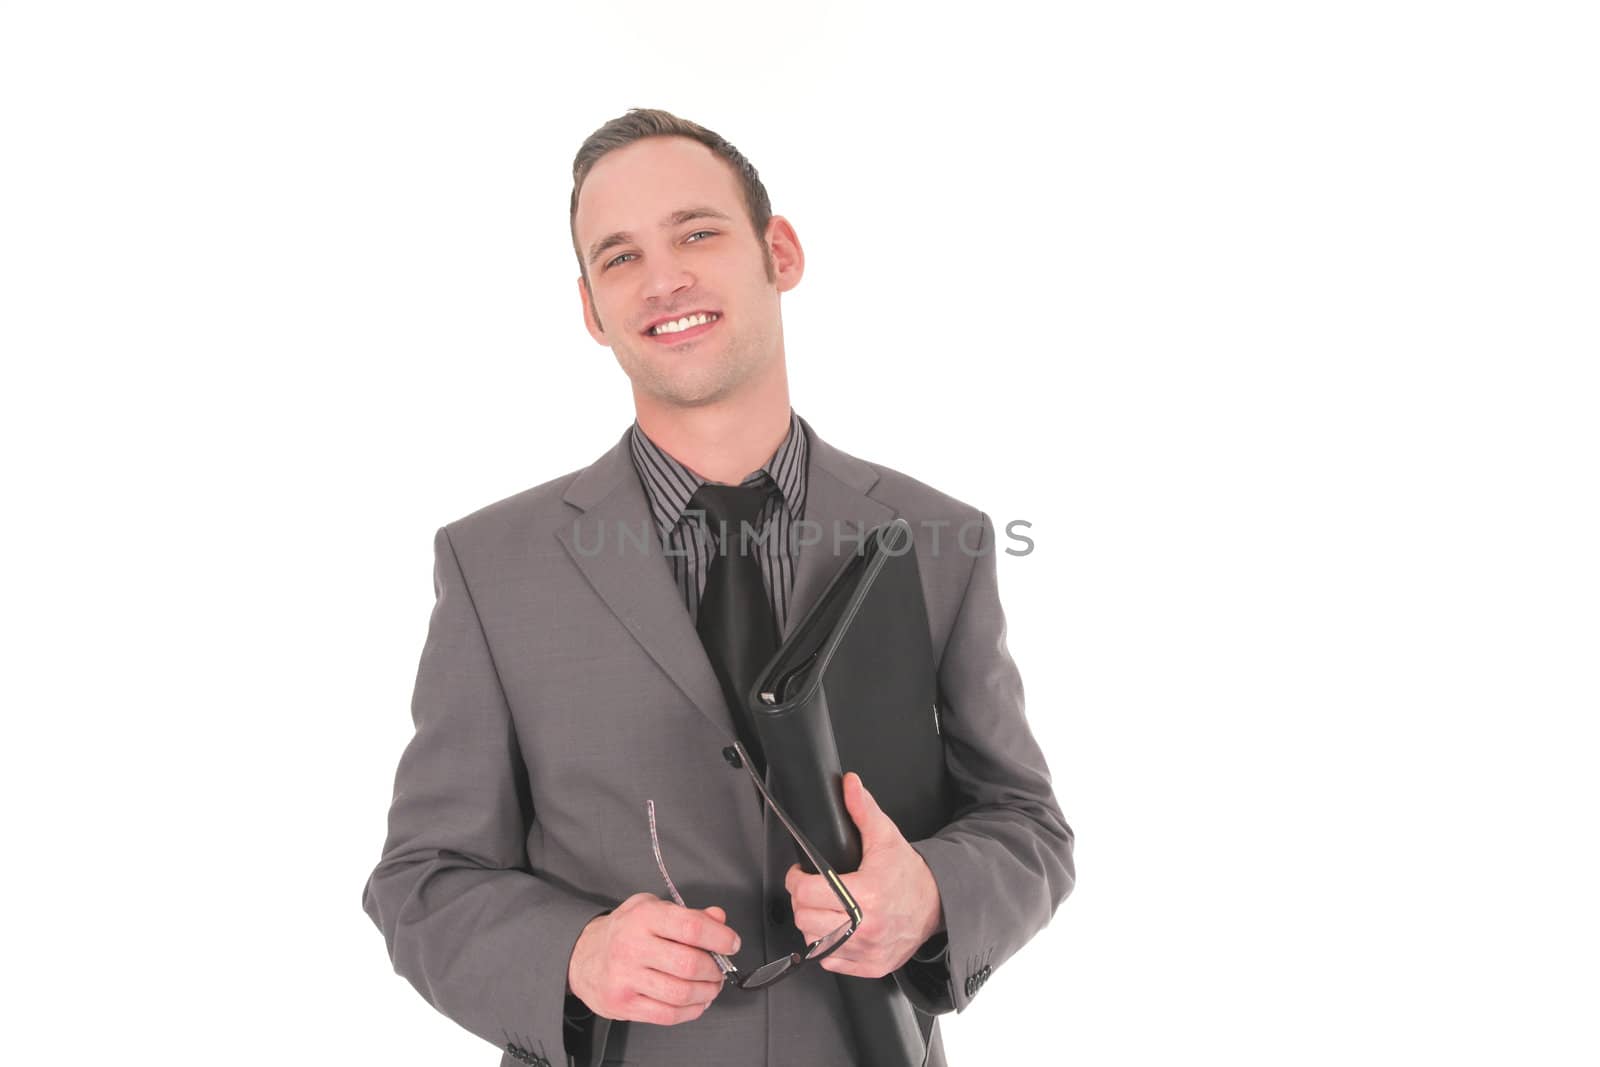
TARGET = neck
x,y
721,442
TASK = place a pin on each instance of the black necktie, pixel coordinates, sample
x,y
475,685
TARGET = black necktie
x,y
735,622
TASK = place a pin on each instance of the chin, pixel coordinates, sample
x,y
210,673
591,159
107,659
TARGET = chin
x,y
687,385
689,397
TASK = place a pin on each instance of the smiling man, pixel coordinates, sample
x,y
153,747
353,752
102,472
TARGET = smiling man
x,y
570,679
676,281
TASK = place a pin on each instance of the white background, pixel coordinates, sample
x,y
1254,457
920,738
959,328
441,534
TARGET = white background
x,y
1278,322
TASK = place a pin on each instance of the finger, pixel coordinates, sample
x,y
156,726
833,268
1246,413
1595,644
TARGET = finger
x,y
681,961
855,797
694,928
796,877
676,992
877,829
649,1010
852,784
817,922
810,891
838,963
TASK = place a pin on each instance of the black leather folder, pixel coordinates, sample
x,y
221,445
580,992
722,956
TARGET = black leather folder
x,y
855,688
859,668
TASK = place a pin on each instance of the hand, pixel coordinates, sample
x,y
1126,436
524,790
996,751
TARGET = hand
x,y
648,961
899,899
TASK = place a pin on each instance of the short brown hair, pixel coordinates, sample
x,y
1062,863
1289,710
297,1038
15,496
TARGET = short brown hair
x,y
640,123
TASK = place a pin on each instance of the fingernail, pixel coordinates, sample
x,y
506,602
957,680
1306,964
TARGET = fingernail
x,y
736,942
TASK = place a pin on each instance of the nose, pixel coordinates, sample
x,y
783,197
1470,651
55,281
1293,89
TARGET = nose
x,y
665,275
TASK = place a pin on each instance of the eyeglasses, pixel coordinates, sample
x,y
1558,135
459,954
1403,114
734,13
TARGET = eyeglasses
x,y
768,973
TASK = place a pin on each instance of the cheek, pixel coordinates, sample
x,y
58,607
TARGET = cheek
x,y
618,332
607,300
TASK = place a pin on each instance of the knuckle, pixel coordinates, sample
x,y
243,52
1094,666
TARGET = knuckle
x,y
669,958
669,990
689,963
679,993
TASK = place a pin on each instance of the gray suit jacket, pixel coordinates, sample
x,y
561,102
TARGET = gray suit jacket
x,y
562,683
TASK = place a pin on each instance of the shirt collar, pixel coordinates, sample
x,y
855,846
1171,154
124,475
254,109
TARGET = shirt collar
x,y
669,484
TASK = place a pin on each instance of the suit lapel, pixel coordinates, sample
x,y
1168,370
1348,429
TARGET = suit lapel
x,y
637,584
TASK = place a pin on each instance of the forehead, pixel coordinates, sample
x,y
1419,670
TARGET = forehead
x,y
634,187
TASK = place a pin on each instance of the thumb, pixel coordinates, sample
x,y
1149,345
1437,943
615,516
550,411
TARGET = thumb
x,y
868,817
717,913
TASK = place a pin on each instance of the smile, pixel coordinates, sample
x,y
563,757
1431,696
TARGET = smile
x,y
696,322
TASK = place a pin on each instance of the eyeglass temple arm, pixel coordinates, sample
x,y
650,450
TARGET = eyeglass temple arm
x,y
823,867
729,971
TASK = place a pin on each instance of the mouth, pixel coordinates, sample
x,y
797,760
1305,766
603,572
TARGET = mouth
x,y
680,328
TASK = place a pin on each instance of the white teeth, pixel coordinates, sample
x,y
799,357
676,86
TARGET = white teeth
x,y
684,323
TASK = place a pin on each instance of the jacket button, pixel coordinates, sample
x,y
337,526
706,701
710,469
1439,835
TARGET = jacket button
x,y
731,754
779,911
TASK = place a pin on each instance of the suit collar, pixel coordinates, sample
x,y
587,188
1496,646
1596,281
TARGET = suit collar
x,y
636,582
839,512
669,485
602,477
599,479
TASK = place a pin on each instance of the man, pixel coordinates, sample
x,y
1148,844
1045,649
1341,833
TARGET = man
x,y
570,675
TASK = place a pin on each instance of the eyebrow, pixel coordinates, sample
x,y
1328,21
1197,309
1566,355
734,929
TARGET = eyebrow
x,y
677,218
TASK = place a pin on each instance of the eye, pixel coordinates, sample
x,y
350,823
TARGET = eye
x,y
630,255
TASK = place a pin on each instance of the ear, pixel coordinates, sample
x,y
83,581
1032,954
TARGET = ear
x,y
788,258
591,320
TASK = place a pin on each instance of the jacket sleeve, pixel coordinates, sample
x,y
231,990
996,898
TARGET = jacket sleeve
x,y
1005,864
483,938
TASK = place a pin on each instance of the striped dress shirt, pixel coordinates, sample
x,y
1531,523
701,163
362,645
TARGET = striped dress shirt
x,y
688,542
